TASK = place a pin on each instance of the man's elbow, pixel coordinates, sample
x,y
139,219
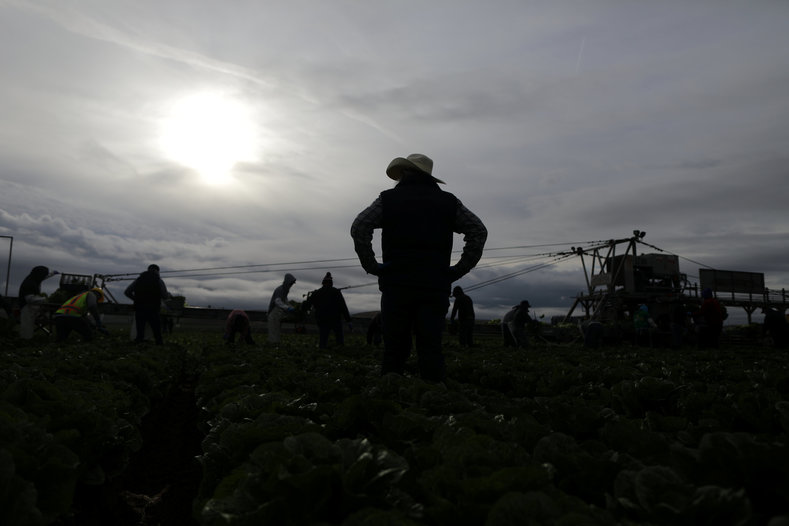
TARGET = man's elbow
x,y
483,234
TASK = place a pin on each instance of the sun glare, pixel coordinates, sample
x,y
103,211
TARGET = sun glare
x,y
209,133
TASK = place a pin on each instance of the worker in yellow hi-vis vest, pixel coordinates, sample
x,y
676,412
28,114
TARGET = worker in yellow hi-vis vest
x,y
73,315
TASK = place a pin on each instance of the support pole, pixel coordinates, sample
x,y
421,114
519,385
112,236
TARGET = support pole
x,y
8,271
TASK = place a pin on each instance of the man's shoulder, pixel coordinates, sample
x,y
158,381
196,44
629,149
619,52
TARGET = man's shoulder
x,y
327,291
422,193
422,188
147,276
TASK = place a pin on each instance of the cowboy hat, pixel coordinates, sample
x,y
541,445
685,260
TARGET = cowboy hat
x,y
415,161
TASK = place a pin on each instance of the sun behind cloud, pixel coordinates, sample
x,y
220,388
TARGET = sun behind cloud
x,y
210,133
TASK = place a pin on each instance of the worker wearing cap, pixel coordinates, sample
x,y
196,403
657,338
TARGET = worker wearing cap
x,y
73,315
417,221
330,310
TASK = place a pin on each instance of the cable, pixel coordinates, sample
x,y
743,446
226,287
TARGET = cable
x,y
360,285
673,254
546,245
511,260
205,269
210,272
216,274
232,267
487,262
505,277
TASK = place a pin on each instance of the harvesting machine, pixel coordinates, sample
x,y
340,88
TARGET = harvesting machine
x,y
619,279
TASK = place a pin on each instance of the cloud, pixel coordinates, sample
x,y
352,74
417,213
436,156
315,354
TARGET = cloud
x,y
555,124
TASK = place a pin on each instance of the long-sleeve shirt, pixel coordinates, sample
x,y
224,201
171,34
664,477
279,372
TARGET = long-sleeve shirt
x,y
280,297
466,223
329,305
231,323
231,318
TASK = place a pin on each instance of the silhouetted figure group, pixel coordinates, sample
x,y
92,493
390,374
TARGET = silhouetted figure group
x,y
327,303
417,220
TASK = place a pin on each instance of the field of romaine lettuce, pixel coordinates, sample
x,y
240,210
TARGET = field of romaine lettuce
x,y
196,432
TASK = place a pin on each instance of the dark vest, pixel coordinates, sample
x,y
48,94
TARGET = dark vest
x,y
416,235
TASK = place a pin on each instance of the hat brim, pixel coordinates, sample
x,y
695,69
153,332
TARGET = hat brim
x,y
400,164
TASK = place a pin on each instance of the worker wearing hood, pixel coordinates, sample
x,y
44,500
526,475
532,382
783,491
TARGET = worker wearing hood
x,y
277,307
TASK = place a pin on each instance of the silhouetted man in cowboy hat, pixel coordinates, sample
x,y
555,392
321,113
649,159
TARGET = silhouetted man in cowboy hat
x,y
417,221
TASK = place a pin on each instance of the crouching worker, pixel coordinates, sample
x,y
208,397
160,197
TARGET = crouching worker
x,y
514,323
73,315
238,323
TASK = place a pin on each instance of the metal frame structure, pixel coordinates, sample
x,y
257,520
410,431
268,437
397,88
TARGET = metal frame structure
x,y
619,279
76,283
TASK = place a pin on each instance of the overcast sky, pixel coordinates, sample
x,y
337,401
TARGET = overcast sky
x,y
208,134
